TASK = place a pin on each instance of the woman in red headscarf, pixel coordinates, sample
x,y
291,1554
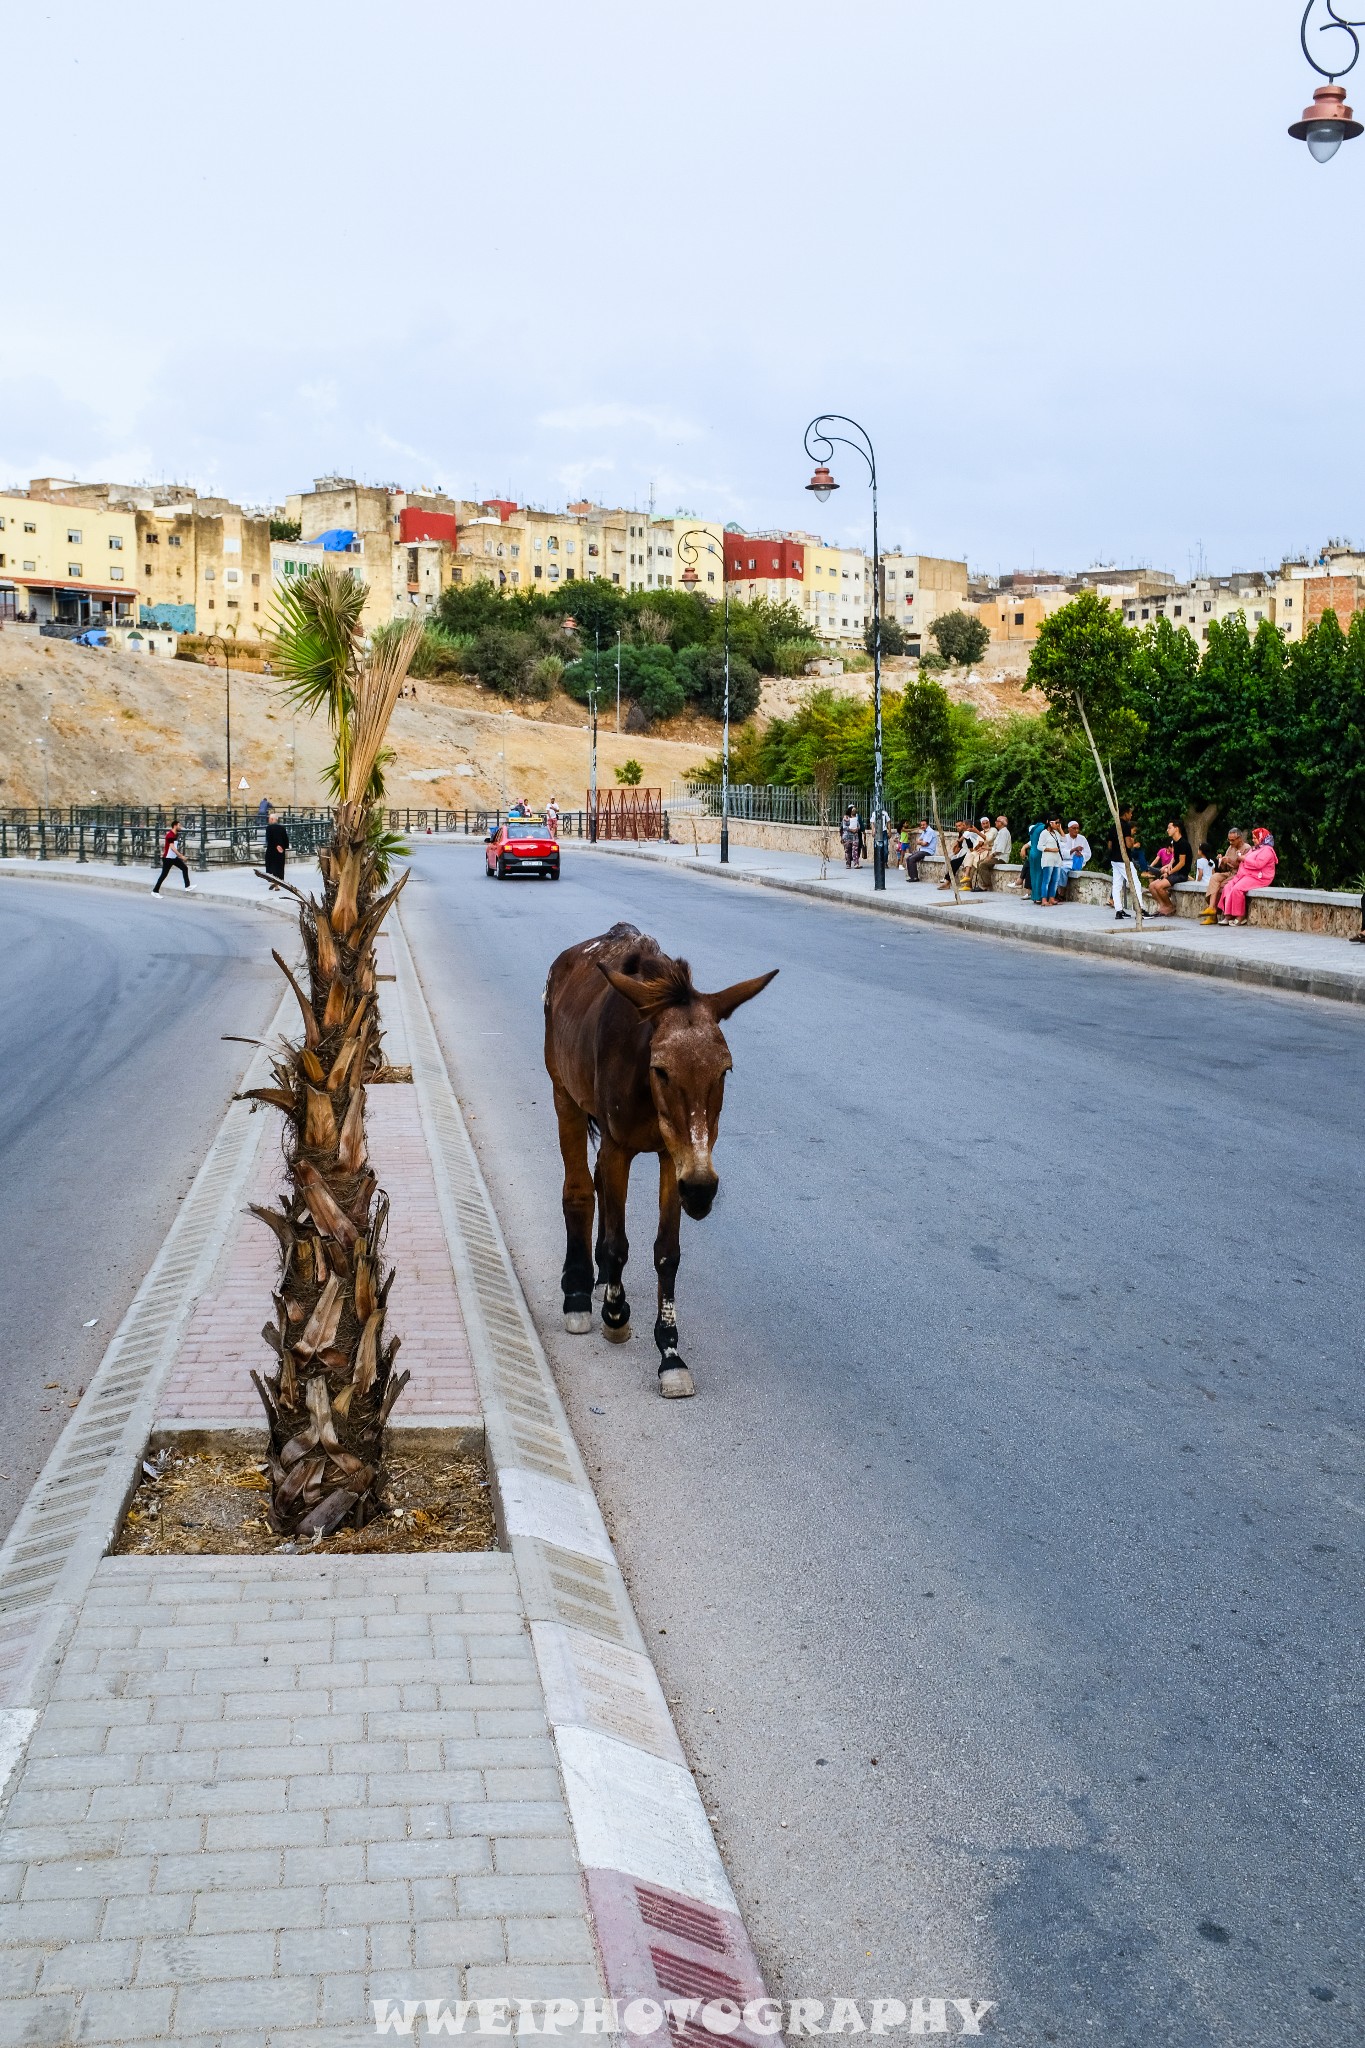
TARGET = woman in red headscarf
x,y
1257,871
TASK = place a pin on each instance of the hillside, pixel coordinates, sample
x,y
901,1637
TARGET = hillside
x,y
132,728
125,728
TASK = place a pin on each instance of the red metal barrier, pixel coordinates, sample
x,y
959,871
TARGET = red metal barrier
x,y
629,813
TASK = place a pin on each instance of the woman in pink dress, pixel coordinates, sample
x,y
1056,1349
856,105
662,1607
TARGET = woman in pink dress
x,y
1257,871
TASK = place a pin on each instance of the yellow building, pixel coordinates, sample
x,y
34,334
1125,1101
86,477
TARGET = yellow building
x,y
834,589
68,563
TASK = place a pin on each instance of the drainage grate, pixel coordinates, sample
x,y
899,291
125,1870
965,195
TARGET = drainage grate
x,y
679,1917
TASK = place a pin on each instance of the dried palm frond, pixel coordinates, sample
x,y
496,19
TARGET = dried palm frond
x,y
376,693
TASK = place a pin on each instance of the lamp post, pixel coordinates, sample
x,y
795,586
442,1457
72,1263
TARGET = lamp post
x,y
596,684
1328,122
618,679
687,548
821,484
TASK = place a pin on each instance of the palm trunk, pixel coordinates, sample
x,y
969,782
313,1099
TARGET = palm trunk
x,y
334,1384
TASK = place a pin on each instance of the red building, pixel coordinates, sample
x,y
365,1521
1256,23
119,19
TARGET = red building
x,y
752,558
414,524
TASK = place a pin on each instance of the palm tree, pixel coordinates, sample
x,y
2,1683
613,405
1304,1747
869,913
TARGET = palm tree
x,y
334,1385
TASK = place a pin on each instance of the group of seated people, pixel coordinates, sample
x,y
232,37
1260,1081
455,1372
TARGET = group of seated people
x,y
1052,853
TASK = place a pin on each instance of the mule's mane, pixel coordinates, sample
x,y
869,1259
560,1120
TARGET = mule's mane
x,y
670,981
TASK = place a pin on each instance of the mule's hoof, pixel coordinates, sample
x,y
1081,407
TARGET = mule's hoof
x,y
618,1335
578,1322
675,1383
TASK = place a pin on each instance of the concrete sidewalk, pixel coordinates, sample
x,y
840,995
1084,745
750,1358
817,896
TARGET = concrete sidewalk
x,y
1299,962
249,1798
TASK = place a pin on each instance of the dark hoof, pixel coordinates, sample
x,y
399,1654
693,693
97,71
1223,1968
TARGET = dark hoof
x,y
616,1333
675,1383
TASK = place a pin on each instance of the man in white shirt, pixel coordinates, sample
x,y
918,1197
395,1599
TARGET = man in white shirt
x,y
924,848
1075,848
1002,842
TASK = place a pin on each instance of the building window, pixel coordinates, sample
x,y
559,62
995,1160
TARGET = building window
x,y
116,573
172,539
255,579
116,540
553,543
710,575
554,572
1131,617
211,604
1208,607
615,577
592,547
73,568
516,550
1145,613
148,570
536,545
29,526
539,570
569,573
1176,612
233,575
1289,604
73,536
752,563
209,575
569,546
1019,618
30,566
1256,618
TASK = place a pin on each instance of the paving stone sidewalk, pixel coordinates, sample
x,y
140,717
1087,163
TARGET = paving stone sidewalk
x,y
1300,962
248,1798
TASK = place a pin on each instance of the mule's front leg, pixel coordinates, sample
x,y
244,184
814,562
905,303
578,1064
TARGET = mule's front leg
x,y
613,1182
675,1381
578,1206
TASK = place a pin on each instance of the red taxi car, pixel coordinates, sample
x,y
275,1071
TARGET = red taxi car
x,y
522,846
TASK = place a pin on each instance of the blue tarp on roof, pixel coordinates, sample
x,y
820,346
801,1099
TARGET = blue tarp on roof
x,y
338,540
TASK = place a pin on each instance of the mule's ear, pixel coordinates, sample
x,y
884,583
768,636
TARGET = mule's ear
x,y
649,997
726,1001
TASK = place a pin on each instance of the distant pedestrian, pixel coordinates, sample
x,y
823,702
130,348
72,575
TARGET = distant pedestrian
x,y
1048,849
552,818
1075,848
276,847
851,832
1032,877
263,810
171,857
1118,843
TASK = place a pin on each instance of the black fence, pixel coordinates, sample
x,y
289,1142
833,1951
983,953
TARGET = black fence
x,y
133,835
788,804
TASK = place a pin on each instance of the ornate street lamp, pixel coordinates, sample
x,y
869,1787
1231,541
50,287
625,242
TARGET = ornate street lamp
x,y
821,484
687,548
1329,121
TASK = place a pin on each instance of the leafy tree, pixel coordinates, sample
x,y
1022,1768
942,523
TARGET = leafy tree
x,y
285,529
960,638
649,675
630,774
893,639
685,613
1083,662
503,659
927,730
701,670
596,607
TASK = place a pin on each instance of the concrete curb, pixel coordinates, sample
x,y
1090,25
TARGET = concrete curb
x,y
65,1526
1303,981
274,903
663,1913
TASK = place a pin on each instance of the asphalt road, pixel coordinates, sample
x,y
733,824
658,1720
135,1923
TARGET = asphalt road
x,y
115,1079
1006,1572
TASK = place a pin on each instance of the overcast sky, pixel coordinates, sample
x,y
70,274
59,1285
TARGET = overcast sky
x,y
1061,260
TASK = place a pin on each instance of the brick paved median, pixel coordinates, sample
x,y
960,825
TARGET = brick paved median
x,y
210,1382
265,1792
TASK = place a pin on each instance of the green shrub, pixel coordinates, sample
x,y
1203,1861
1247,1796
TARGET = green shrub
x,y
503,660
701,671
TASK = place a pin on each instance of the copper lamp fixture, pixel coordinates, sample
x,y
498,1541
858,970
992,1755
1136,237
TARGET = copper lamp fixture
x,y
1329,121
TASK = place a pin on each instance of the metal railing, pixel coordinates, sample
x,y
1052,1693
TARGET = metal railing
x,y
799,803
214,835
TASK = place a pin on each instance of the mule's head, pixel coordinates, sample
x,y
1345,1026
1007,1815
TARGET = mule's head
x,y
688,1062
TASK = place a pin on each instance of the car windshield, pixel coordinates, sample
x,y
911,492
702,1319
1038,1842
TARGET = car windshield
x,y
526,828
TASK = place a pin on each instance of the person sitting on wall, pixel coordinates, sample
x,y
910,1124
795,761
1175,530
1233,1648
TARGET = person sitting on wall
x,y
1255,871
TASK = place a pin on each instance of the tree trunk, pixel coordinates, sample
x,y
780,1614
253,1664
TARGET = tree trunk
x,y
1134,886
333,1385
1198,825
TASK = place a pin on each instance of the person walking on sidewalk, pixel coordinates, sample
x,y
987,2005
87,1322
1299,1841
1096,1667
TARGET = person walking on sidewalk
x,y
851,832
171,857
276,847
1049,856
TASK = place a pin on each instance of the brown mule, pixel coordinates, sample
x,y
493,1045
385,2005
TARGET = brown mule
x,y
637,1059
